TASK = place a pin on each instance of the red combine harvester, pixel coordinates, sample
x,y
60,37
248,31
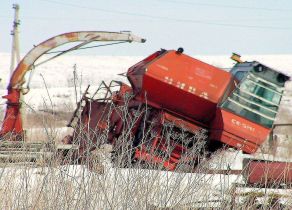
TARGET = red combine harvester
x,y
176,111
173,95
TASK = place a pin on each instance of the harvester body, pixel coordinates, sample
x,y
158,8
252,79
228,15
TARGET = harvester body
x,y
169,87
176,109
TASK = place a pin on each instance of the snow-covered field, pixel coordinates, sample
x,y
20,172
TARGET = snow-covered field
x,y
60,95
58,76
93,69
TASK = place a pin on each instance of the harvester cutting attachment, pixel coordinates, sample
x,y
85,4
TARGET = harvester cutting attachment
x,y
137,131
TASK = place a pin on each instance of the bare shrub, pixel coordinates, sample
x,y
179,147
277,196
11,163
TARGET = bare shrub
x,y
108,177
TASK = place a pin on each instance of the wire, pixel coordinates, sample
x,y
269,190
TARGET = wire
x,y
182,2
77,47
170,19
227,6
83,48
39,18
70,19
98,9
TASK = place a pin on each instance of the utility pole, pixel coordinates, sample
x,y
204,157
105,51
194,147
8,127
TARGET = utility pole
x,y
15,54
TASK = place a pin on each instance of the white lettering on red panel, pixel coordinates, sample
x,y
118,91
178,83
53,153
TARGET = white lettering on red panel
x,y
243,125
168,80
204,95
192,89
180,85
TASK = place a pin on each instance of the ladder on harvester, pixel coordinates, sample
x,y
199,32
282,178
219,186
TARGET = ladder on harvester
x,y
80,105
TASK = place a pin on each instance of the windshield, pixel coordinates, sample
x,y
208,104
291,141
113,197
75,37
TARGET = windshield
x,y
255,99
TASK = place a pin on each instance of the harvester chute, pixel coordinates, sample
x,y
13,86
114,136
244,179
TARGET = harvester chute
x,y
12,124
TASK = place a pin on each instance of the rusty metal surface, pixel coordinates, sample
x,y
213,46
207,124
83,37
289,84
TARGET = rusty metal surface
x,y
12,123
85,36
267,173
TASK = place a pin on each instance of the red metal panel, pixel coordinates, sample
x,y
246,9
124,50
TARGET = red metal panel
x,y
267,172
136,73
234,141
12,123
185,85
187,72
181,123
238,131
162,95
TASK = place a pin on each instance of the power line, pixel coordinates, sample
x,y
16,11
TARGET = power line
x,y
40,18
95,19
99,9
168,18
227,6
182,2
70,19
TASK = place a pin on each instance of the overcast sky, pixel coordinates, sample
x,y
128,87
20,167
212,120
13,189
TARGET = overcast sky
x,y
206,27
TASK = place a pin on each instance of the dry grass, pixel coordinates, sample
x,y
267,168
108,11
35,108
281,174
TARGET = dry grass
x,y
98,184
54,186
101,184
